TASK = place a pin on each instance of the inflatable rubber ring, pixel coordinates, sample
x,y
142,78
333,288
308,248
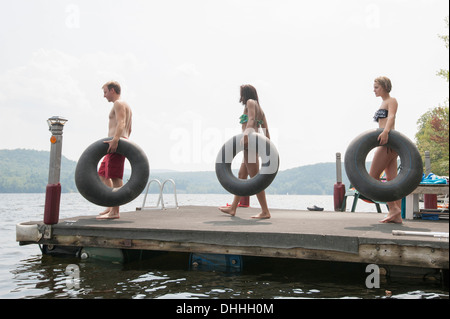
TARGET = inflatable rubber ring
x,y
269,165
92,188
408,178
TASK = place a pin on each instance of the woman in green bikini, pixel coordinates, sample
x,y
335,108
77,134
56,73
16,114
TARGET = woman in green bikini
x,y
252,119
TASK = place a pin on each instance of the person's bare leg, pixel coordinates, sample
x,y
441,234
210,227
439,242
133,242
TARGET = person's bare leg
x,y
106,211
386,159
253,169
394,215
107,182
231,210
114,211
379,162
395,207
265,214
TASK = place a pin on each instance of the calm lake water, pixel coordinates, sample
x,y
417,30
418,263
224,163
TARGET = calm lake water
x,y
26,273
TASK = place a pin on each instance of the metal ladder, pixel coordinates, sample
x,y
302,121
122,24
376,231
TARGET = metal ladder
x,y
161,196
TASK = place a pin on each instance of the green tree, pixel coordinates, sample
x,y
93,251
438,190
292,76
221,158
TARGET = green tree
x,y
442,72
433,130
433,136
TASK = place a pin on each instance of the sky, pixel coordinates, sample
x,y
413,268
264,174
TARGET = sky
x,y
180,64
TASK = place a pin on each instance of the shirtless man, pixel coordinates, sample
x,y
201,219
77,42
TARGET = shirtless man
x,y
385,158
252,118
111,169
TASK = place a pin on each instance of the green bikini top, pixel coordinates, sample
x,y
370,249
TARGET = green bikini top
x,y
244,119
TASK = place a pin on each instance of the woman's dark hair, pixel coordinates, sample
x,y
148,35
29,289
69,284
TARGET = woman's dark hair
x,y
248,92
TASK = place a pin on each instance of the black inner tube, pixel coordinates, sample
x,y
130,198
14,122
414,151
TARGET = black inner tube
x,y
92,188
258,144
407,179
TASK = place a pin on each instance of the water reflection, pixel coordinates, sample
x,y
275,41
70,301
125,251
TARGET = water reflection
x,y
167,275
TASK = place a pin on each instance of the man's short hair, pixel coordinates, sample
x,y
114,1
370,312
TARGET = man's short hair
x,y
113,85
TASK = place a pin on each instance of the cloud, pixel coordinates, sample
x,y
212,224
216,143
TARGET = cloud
x,y
45,80
54,82
188,69
181,63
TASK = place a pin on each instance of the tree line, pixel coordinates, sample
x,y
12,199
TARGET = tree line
x,y
26,171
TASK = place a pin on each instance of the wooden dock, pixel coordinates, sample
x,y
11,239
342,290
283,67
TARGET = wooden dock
x,y
326,236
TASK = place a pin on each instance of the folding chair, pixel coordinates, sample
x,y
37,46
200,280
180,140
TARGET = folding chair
x,y
357,195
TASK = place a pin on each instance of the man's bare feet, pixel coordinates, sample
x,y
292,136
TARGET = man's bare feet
x,y
228,210
110,213
106,211
108,216
262,215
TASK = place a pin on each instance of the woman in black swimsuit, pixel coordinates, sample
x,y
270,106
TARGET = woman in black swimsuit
x,y
385,158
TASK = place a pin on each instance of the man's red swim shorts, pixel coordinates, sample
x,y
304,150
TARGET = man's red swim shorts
x,y
112,166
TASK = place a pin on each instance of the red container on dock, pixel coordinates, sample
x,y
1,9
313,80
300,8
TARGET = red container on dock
x,y
339,192
245,201
52,200
430,201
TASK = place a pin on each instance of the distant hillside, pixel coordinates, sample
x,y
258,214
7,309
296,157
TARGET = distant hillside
x,y
316,179
26,171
